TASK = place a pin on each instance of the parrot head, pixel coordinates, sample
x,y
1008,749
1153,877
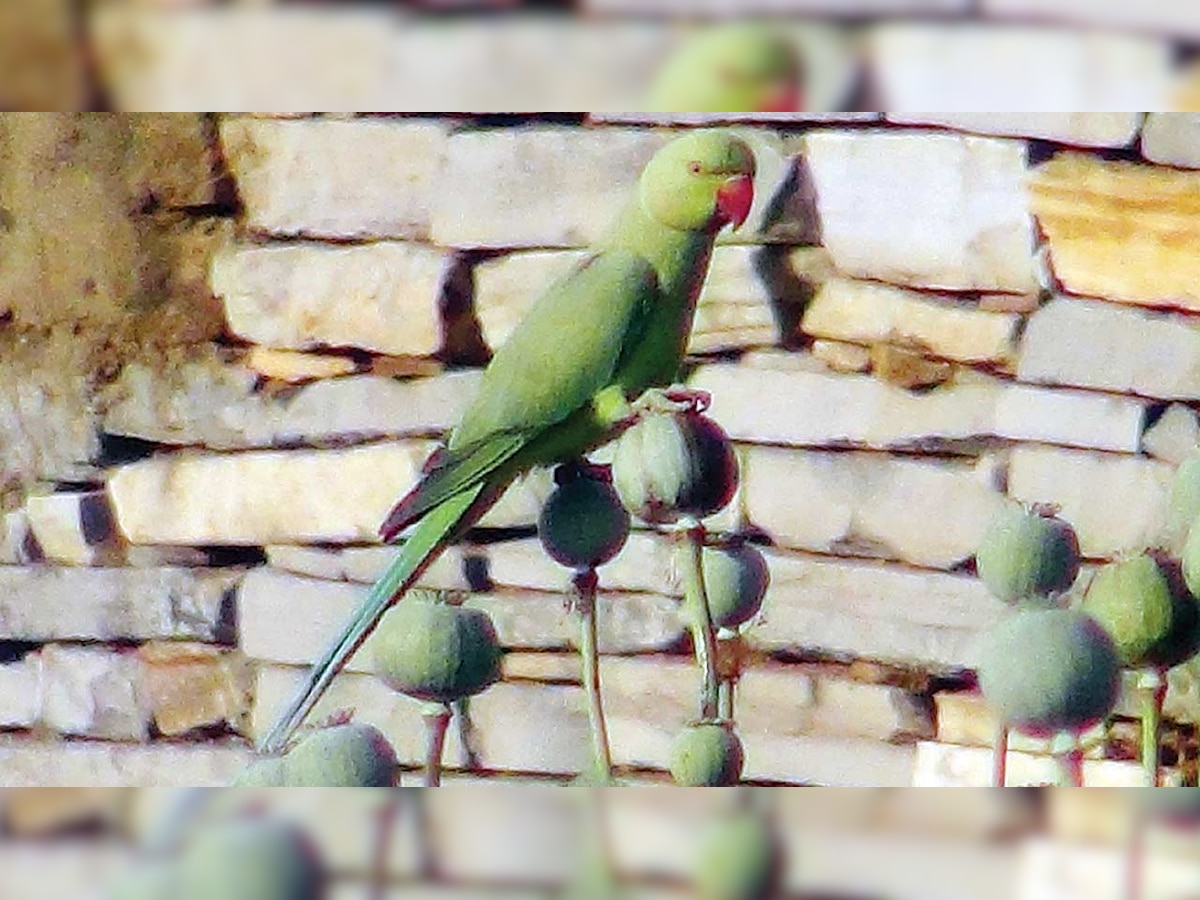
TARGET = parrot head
x,y
745,67
702,181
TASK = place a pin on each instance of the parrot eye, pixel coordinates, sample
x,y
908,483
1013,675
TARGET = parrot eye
x,y
695,168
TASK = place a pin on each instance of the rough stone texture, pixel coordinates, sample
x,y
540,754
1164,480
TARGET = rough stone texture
x,y
93,693
381,296
828,762
1155,16
553,734
628,622
21,692
840,357
1072,418
372,702
539,187
970,66
40,604
1174,436
778,700
212,403
964,718
1120,231
306,177
945,765
873,611
33,812
190,686
31,763
1106,346
1115,504
931,513
1172,139
866,312
263,497
18,546
924,209
75,528
365,565
42,67
173,160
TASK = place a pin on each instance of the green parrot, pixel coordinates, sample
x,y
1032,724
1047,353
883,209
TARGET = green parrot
x,y
745,67
612,328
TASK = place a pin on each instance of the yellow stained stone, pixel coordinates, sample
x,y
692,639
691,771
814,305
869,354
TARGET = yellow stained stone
x,y
1121,231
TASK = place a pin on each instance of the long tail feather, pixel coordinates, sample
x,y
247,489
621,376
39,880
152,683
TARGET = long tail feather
x,y
432,534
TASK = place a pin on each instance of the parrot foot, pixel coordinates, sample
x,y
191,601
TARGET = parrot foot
x,y
673,400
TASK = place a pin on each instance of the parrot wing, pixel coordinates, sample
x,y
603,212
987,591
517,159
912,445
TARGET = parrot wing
x,y
563,353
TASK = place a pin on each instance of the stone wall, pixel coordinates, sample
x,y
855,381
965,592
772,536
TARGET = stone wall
x,y
232,340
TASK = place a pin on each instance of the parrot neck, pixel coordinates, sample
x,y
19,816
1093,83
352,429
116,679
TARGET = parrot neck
x,y
679,257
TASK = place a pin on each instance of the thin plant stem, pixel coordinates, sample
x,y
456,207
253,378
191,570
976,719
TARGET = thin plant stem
x,y
1070,760
725,698
388,813
1000,756
437,721
589,649
1152,687
703,634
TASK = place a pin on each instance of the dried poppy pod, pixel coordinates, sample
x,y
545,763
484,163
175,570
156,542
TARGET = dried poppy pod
x,y
1046,671
582,524
251,859
669,466
707,754
736,578
1028,554
740,859
350,755
434,651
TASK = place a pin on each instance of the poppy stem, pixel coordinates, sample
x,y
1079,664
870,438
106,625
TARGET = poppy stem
x,y
589,650
703,634
437,721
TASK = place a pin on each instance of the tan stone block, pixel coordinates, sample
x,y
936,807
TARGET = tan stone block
x,y
1175,436
784,700
1110,347
75,528
191,686
30,762
1120,231
927,513
382,296
296,368
91,692
336,178
47,603
868,313
1082,129
873,611
43,811
842,357
946,765
263,497
906,368
21,692
1172,139
924,209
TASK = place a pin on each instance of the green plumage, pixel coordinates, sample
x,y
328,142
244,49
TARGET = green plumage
x,y
613,327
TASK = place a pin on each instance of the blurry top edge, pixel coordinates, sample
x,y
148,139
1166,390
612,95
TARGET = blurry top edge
x,y
255,56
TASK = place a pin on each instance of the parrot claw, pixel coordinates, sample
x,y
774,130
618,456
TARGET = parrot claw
x,y
673,400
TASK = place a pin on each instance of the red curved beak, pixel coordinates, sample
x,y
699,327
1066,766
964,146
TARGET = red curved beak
x,y
734,199
785,100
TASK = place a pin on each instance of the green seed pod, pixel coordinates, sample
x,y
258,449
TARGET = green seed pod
x,y
740,859
251,859
1183,639
1189,559
672,465
1047,671
268,772
735,579
706,755
1183,504
152,879
1026,555
583,523
351,755
1132,600
434,651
